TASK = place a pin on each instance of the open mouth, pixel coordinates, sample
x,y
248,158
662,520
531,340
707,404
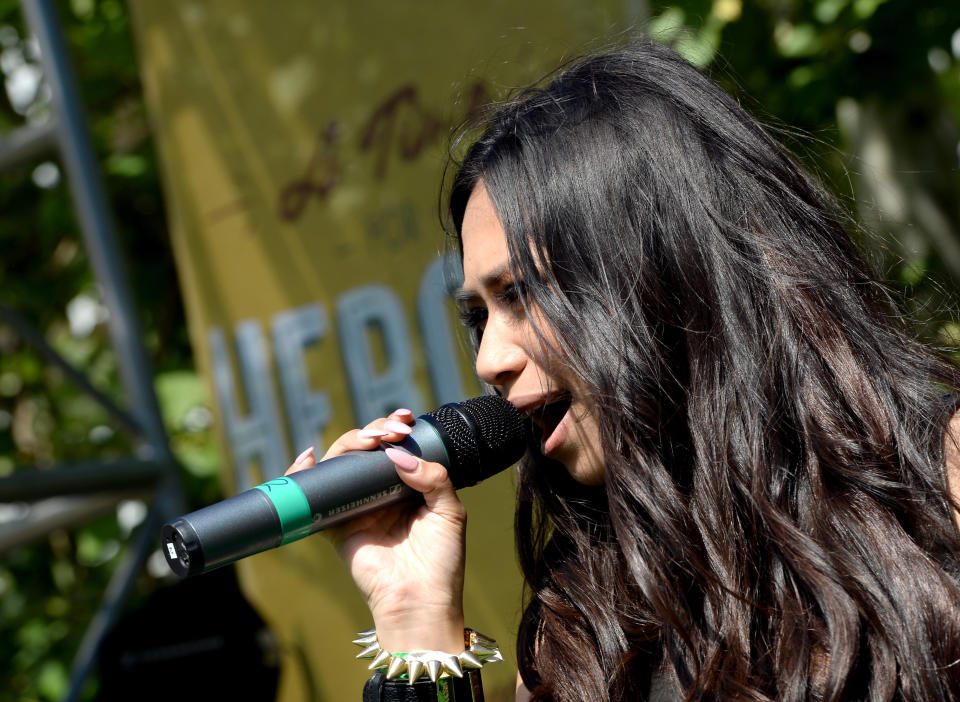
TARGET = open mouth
x,y
548,418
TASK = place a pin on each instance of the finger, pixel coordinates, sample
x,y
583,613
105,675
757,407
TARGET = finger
x,y
304,460
394,427
399,423
398,429
364,439
428,478
402,415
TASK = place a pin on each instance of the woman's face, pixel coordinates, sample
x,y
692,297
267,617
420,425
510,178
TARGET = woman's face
x,y
511,357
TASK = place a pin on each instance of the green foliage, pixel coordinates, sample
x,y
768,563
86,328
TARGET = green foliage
x,y
801,66
186,415
50,590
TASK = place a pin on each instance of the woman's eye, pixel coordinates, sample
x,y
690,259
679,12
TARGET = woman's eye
x,y
473,318
510,295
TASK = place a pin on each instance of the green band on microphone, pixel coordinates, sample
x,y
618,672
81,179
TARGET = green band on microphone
x,y
292,508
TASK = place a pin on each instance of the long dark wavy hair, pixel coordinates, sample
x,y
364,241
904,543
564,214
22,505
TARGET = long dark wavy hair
x,y
775,522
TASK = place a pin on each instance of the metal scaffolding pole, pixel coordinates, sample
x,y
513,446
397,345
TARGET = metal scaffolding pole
x,y
92,487
96,222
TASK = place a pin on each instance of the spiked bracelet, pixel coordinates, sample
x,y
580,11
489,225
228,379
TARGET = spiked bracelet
x,y
478,651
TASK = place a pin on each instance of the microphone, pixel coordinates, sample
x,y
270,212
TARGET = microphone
x,y
473,439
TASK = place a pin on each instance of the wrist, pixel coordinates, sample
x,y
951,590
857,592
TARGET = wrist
x,y
426,629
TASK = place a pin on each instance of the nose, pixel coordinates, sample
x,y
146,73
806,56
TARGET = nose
x,y
500,357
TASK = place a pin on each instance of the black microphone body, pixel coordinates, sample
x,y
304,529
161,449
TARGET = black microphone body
x,y
473,440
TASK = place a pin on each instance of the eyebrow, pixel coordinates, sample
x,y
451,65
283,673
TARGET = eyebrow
x,y
494,279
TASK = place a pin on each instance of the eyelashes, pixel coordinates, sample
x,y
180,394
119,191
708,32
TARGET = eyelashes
x,y
473,318
509,297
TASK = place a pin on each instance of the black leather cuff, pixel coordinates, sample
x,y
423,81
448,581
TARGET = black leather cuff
x,y
466,689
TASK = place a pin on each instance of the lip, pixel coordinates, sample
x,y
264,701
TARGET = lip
x,y
528,405
553,430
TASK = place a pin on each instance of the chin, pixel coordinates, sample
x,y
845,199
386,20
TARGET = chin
x,y
585,472
583,467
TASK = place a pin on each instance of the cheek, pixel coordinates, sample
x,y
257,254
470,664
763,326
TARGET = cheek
x,y
589,467
539,346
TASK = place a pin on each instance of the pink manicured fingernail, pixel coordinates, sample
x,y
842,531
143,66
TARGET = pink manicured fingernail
x,y
371,433
402,412
397,427
302,457
403,460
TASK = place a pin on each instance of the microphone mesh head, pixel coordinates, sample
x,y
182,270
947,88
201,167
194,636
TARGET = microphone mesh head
x,y
486,435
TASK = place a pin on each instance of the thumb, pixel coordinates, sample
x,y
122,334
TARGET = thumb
x,y
428,478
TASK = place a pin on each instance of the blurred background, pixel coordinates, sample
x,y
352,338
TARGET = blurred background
x,y
271,173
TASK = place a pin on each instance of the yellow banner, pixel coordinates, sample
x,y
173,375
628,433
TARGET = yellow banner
x,y
302,146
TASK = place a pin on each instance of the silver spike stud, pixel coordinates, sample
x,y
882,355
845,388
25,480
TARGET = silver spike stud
x,y
481,652
414,670
369,652
475,638
451,665
380,661
365,639
433,669
468,660
397,667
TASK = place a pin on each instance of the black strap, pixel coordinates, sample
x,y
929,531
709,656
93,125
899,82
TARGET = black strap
x,y
465,689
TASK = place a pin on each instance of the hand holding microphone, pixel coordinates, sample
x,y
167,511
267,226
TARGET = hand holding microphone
x,y
397,524
407,560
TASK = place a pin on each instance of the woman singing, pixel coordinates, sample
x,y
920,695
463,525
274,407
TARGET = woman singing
x,y
738,480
